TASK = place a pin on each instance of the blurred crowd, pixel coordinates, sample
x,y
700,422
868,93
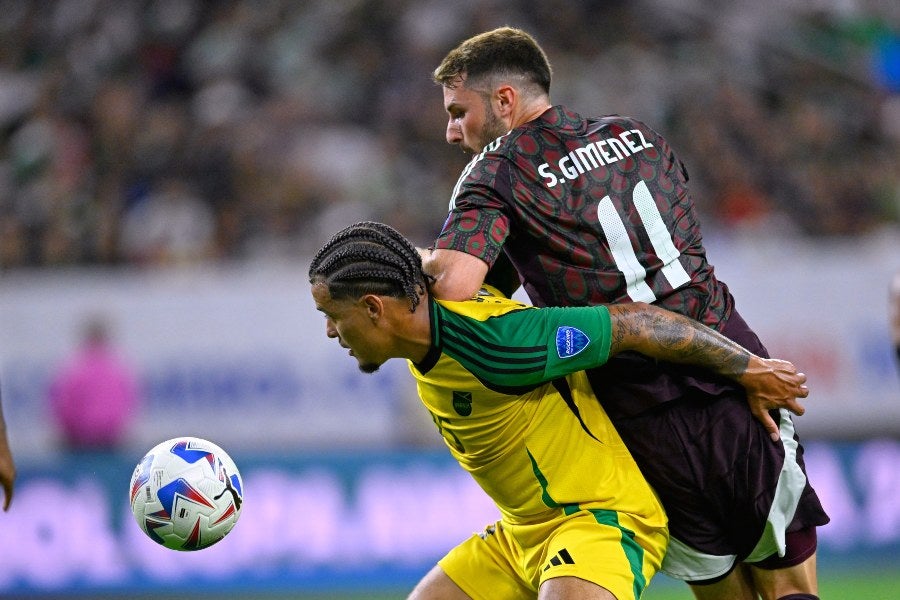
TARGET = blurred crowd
x,y
158,132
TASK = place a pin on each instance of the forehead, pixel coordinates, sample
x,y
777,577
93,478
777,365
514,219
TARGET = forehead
x,y
336,308
321,296
459,95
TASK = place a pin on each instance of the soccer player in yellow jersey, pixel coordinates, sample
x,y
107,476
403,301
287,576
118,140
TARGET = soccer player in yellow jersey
x,y
505,385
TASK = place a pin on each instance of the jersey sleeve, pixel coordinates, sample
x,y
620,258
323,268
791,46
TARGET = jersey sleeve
x,y
477,223
516,351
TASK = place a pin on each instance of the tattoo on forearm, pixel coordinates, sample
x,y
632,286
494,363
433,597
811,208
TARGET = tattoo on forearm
x,y
684,341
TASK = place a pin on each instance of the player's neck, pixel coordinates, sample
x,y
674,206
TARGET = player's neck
x,y
529,112
412,333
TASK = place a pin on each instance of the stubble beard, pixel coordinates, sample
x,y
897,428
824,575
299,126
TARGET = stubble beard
x,y
492,129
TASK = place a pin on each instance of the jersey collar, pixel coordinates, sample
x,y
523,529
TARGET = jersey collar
x,y
434,353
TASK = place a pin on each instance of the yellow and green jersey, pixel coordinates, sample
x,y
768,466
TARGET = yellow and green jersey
x,y
505,387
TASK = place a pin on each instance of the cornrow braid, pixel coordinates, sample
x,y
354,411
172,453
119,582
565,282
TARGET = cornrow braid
x,y
370,258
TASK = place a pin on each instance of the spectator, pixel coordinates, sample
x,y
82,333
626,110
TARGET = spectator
x,y
786,115
169,226
94,396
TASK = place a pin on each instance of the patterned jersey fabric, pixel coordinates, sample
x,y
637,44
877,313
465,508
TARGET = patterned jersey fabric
x,y
594,211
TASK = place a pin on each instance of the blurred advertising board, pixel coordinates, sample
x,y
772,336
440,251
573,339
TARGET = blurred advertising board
x,y
340,521
238,353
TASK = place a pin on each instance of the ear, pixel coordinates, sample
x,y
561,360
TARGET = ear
x,y
505,98
373,305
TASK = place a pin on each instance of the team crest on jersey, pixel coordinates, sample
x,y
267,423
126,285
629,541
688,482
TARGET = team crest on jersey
x,y
462,403
570,341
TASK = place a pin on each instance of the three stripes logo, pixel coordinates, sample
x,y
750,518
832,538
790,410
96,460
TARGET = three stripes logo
x,y
561,557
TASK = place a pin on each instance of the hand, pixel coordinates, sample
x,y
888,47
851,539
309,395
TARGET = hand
x,y
771,383
7,472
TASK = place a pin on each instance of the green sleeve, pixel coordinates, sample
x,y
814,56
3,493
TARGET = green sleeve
x,y
518,350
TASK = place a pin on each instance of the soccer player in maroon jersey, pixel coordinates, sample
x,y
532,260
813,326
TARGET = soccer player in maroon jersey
x,y
597,210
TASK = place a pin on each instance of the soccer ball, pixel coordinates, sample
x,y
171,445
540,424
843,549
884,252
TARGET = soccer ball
x,y
186,493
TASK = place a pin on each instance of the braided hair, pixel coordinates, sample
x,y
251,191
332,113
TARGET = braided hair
x,y
370,258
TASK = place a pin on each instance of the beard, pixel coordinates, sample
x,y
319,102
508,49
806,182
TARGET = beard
x,y
368,367
492,129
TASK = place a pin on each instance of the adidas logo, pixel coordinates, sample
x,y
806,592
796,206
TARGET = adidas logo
x,y
562,557
488,531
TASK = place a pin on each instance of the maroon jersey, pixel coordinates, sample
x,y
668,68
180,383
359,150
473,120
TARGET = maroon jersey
x,y
595,211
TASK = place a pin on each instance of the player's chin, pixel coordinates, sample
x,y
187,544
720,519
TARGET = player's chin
x,y
369,367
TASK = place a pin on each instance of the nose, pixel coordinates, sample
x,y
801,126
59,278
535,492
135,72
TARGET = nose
x,y
330,329
454,132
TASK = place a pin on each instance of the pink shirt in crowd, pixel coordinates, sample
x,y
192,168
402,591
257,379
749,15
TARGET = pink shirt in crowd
x,y
93,398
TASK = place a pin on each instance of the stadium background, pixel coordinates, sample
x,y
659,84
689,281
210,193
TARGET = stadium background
x,y
172,165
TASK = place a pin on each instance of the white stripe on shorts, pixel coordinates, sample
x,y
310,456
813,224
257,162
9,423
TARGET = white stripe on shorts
x,y
687,564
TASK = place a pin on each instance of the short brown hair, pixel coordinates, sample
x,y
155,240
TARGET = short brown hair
x,y
501,51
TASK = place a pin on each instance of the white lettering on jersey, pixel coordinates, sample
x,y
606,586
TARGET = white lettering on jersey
x,y
592,156
545,172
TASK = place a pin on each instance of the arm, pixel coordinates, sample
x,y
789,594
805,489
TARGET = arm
x,y
665,335
457,275
7,467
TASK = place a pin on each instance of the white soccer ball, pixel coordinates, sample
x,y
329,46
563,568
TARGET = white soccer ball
x,y
186,493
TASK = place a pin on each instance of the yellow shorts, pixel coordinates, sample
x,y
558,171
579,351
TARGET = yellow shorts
x,y
617,551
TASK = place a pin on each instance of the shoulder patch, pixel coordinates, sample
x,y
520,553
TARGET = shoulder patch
x,y
570,341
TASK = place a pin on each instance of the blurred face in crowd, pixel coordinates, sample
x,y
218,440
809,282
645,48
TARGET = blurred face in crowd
x,y
355,325
472,122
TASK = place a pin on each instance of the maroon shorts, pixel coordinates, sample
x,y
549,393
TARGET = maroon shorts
x,y
716,471
696,441
799,546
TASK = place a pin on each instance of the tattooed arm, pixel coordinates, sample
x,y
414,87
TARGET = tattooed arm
x,y
770,383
